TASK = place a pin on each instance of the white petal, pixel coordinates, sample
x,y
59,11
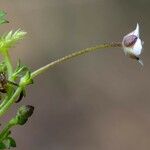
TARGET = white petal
x,y
127,50
137,48
136,31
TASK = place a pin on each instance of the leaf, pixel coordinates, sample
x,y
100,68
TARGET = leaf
x,y
2,146
2,17
10,39
26,79
9,142
20,70
3,67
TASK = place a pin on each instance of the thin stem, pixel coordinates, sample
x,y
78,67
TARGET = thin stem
x,y
4,133
10,92
9,72
10,101
8,63
4,101
75,54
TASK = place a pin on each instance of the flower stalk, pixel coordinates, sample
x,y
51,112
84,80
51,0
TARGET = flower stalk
x,y
73,55
10,101
8,63
27,79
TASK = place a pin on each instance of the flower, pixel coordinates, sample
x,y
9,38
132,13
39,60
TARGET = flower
x,y
132,45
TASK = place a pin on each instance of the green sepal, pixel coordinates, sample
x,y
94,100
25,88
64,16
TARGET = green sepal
x,y
24,112
9,142
26,79
3,67
2,17
20,70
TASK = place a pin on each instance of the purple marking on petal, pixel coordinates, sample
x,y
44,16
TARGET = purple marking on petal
x,y
130,40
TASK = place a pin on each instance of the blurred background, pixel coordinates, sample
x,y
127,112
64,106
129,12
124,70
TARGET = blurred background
x,y
100,101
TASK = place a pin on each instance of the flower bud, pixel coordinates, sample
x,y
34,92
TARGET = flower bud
x,y
132,45
24,113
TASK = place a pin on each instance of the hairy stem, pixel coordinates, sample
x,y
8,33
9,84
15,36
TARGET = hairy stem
x,y
75,54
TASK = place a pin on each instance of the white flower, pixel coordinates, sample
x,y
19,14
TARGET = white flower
x,y
132,45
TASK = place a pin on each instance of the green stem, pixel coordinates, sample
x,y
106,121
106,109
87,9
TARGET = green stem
x,y
8,63
75,54
10,101
9,72
6,129
4,101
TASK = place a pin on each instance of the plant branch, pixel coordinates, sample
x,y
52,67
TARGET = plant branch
x,y
5,131
10,101
8,63
75,54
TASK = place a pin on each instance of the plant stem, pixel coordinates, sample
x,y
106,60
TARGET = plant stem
x,y
9,72
4,133
8,63
72,55
10,101
4,101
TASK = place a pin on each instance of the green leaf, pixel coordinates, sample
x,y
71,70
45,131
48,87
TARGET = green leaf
x,y
9,142
10,39
2,146
3,67
2,17
26,79
19,71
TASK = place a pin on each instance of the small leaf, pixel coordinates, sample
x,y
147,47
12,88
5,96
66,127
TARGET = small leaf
x,y
3,67
2,17
9,142
20,70
12,142
26,79
2,146
10,39
22,94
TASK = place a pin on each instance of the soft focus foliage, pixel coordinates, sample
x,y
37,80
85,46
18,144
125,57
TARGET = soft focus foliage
x,y
2,17
8,40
